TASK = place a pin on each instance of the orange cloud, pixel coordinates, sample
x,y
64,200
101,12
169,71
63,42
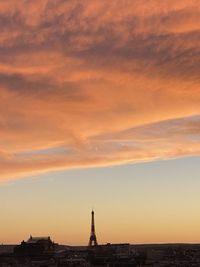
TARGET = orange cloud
x,y
86,83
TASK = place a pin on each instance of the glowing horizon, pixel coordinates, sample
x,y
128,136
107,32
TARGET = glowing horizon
x,y
143,203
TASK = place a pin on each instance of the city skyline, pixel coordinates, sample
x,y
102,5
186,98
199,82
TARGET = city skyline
x,y
100,108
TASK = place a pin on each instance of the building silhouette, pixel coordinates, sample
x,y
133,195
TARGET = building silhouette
x,y
93,238
35,246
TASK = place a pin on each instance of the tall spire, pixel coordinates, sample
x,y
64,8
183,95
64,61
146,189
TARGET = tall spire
x,y
93,238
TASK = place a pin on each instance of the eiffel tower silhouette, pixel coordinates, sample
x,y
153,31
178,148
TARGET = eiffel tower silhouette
x,y
93,238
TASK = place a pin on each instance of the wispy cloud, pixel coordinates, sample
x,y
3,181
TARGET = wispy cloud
x,y
86,83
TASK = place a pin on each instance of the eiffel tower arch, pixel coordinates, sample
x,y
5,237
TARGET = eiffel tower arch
x,y
93,238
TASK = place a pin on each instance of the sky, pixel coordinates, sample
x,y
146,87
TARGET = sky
x,y
154,202
93,93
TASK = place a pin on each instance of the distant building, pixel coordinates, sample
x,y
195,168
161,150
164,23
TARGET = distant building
x,y
35,246
111,254
93,238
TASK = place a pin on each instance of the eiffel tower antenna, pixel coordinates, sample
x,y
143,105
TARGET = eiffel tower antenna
x,y
93,238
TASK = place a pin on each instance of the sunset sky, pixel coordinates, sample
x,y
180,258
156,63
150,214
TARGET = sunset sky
x,y
100,107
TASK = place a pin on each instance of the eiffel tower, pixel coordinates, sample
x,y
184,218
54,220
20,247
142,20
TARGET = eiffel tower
x,y
93,238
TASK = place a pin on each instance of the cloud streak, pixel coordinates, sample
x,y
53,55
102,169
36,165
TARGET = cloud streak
x,y
87,83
